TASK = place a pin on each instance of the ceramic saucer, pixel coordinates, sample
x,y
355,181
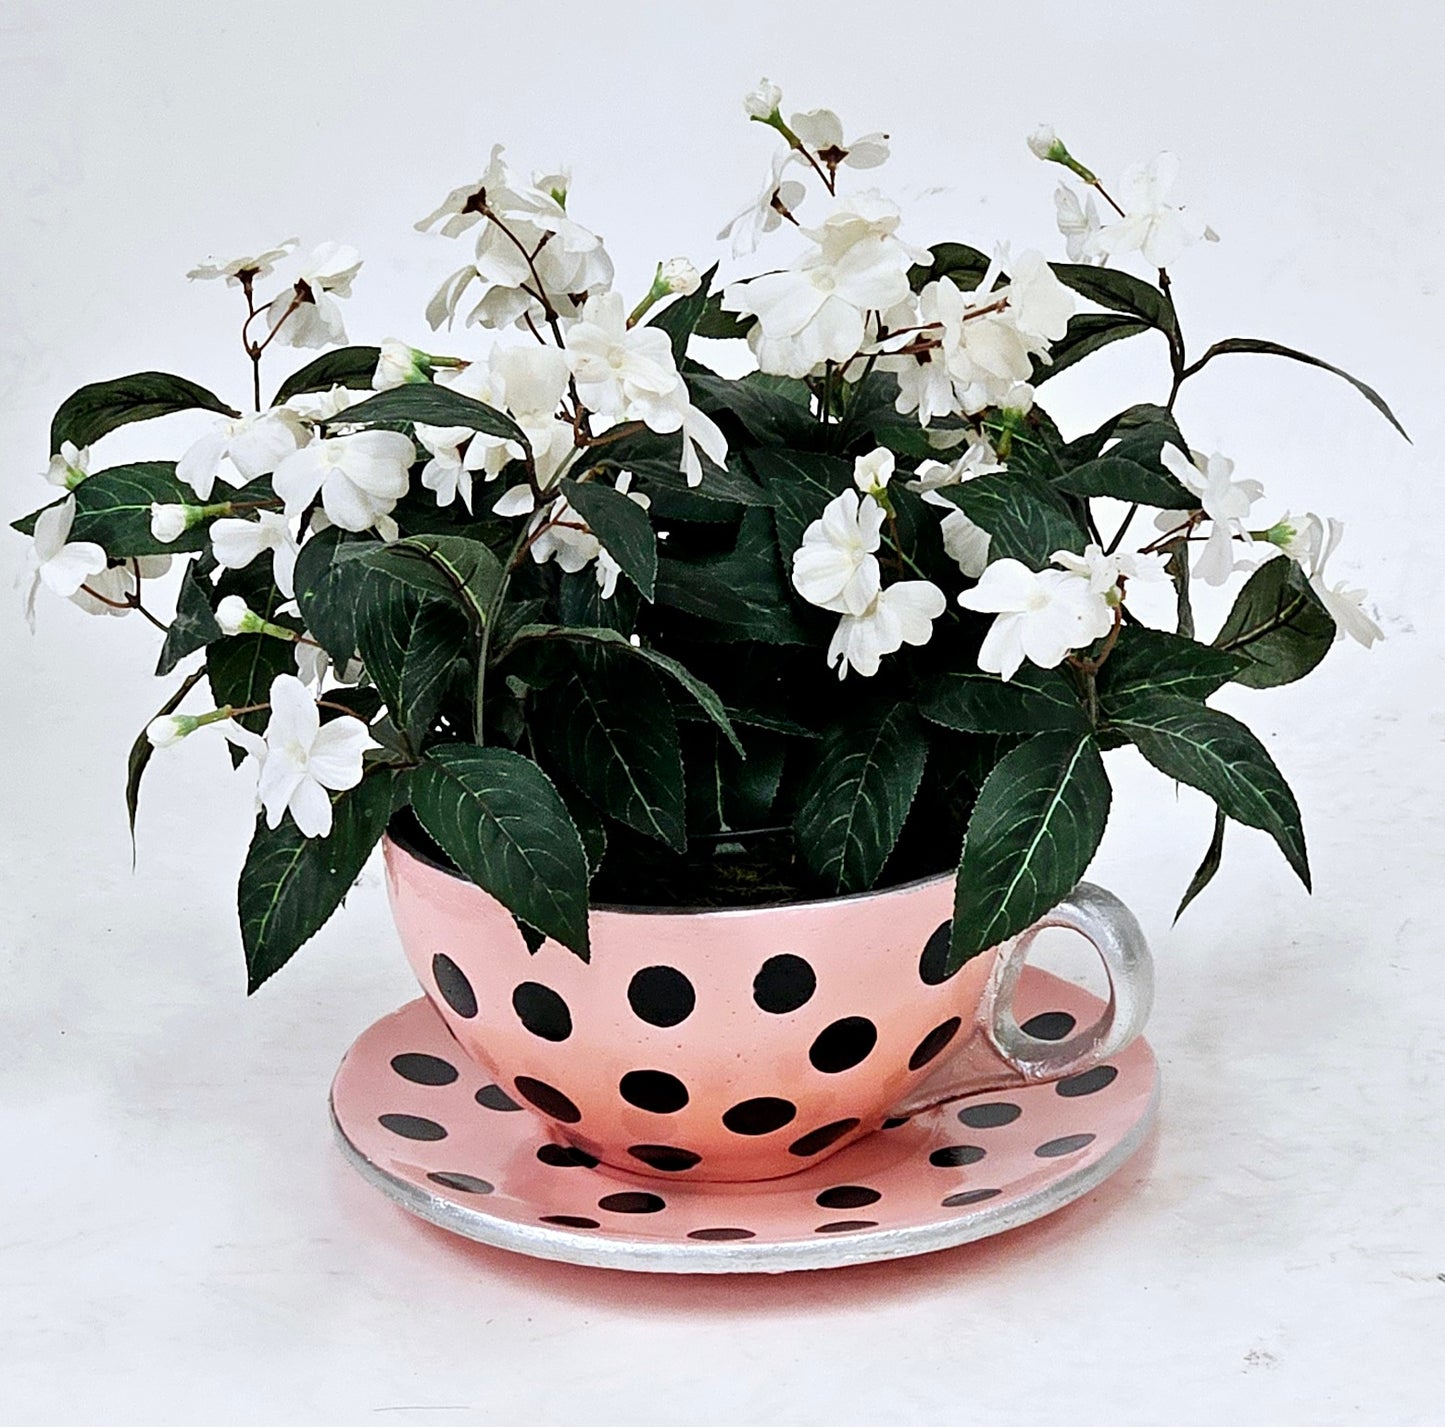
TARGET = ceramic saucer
x,y
428,1128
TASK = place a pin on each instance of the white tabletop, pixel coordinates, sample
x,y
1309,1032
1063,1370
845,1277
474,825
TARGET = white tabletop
x,y
181,1240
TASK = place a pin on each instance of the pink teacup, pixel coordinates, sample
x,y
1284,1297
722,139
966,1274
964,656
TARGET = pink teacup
x,y
747,1043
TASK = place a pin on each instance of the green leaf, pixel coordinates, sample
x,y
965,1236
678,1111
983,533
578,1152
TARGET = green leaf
x,y
241,669
612,732
717,324
1033,701
94,410
1124,479
113,510
1024,517
1274,349
473,572
1149,661
966,266
436,406
800,484
351,367
852,809
1278,625
142,749
1218,755
680,319
194,625
720,486
292,884
503,823
1120,292
327,590
1132,422
623,528
1034,829
609,639
1208,867
1087,332
770,416
1177,568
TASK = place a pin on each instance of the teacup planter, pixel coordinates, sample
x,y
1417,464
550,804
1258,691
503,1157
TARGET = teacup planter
x,y
735,735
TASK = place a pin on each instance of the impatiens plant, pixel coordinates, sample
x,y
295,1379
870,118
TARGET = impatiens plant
x,y
593,623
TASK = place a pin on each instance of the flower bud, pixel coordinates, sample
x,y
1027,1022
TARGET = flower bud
x,y
872,472
234,617
400,364
68,466
1044,144
762,102
170,522
678,275
170,729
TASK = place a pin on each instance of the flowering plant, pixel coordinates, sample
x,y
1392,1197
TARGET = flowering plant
x,y
577,609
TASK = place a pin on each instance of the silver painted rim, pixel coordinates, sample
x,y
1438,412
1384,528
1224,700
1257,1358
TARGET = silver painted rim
x,y
837,1251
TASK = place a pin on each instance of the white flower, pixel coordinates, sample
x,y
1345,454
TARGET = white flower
x,y
238,542
1103,572
1039,305
252,268
59,565
170,522
965,543
1224,500
320,407
762,102
1041,616
69,466
1310,547
307,314
234,616
1043,141
835,567
562,535
301,758
358,477
871,473
1151,225
822,131
1079,223
901,614
244,447
623,374
779,197
168,730
462,207
680,276
398,365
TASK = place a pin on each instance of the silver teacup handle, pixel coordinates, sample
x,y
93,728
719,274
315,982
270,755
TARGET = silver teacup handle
x,y
1000,1053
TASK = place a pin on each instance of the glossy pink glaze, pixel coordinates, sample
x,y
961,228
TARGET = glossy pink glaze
x,y
865,952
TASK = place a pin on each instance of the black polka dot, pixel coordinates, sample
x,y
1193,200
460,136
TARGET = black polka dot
x,y
843,1045
721,1236
1088,1081
1065,1144
816,1141
653,1090
990,1116
571,1221
970,1196
467,1183
784,983
843,1226
632,1201
566,1157
547,1100
412,1127
661,996
542,1011
894,1121
1049,1026
847,1196
455,989
667,1158
933,967
760,1116
424,1069
952,1156
493,1097
933,1043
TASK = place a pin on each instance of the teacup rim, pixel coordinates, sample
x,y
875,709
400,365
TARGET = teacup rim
x,y
392,839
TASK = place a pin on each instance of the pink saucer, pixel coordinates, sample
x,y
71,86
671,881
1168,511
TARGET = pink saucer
x,y
430,1130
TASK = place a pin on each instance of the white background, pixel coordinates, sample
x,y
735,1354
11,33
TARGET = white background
x,y
179,1240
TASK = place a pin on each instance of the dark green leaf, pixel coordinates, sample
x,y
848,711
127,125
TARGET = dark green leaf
x,y
292,884
1218,755
474,572
623,528
768,415
94,410
194,625
1024,517
1033,701
113,510
1273,349
1125,479
799,484
1120,292
436,406
1208,867
1149,661
142,749
1088,331
1177,568
1278,625
1128,423
327,590
241,669
680,319
1034,829
351,367
852,809
966,266
716,323
502,822
721,486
